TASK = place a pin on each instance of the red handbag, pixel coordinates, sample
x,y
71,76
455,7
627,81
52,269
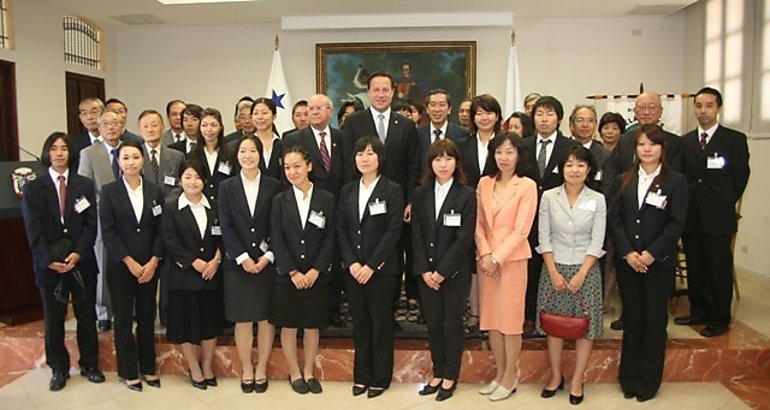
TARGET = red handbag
x,y
565,327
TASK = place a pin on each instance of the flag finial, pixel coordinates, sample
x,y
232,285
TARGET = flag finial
x,y
513,38
276,42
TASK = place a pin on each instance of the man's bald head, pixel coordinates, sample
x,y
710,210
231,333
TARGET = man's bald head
x,y
648,108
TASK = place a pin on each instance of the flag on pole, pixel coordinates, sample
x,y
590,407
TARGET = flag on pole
x,y
512,87
278,92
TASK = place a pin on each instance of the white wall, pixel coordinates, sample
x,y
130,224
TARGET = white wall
x,y
40,68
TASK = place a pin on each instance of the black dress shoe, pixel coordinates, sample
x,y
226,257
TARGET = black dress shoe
x,y
93,374
314,385
212,382
104,325
359,390
629,395
547,394
260,386
641,398
714,330
203,386
135,386
247,386
443,393
689,321
375,392
577,399
152,383
58,381
337,321
428,389
616,325
299,386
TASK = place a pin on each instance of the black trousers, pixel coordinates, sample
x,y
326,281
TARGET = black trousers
x,y
405,265
645,317
443,311
54,313
336,285
709,274
372,309
534,265
130,299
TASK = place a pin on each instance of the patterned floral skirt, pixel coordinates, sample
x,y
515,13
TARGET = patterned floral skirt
x,y
566,303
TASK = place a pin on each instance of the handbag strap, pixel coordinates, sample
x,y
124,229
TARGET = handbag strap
x,y
581,302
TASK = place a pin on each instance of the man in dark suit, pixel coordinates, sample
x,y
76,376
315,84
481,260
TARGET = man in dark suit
x,y
244,126
175,132
582,125
716,163
161,164
439,106
542,155
401,162
324,145
89,111
119,107
299,116
191,121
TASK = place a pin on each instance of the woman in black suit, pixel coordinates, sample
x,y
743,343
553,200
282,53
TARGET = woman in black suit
x,y
213,153
244,211
130,214
443,224
302,227
646,219
368,230
263,114
192,237
59,211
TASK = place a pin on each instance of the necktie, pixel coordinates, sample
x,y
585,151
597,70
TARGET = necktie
x,y
325,158
178,137
541,156
62,195
192,147
155,165
438,135
381,127
703,137
115,169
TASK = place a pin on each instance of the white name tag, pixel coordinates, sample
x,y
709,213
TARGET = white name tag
x,y
715,162
598,176
225,168
588,205
157,210
377,207
216,230
81,204
453,219
317,219
656,200
263,246
169,180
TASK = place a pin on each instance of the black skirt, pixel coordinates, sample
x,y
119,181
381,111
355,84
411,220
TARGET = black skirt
x,y
193,316
248,296
300,308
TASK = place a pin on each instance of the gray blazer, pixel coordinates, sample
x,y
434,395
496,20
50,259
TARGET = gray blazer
x,y
169,161
571,233
95,164
167,138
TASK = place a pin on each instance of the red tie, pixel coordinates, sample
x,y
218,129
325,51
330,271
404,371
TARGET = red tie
x,y
62,195
325,158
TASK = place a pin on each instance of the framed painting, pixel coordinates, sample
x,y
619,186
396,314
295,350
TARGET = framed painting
x,y
343,69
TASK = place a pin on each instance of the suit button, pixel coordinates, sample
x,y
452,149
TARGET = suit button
x,y
638,221
302,241
211,197
202,249
302,256
253,244
138,229
430,259
211,185
636,236
358,246
358,232
65,230
431,244
253,230
700,180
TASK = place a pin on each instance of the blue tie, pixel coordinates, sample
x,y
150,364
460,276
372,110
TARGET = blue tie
x,y
115,169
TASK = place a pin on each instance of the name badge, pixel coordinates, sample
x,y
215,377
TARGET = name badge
x,y
81,204
318,219
598,176
715,162
169,180
377,207
453,219
656,199
225,168
156,210
588,205
263,246
216,230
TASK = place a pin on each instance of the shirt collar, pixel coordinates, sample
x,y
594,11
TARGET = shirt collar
x,y
149,148
246,181
443,187
709,131
551,137
183,202
55,175
653,174
316,132
371,187
443,128
376,113
138,188
301,195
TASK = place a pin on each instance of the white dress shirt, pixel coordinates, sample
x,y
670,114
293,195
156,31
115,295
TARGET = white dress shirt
x,y
211,159
251,190
198,211
709,132
548,147
55,177
645,180
136,197
482,151
327,139
376,114
267,153
441,191
363,195
303,203
433,131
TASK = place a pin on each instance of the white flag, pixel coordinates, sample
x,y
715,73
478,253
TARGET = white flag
x,y
279,93
672,114
512,87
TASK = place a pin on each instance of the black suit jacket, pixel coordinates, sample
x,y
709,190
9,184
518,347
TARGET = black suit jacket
x,y
298,248
123,235
40,209
274,168
373,240
330,181
625,151
605,171
241,230
471,164
180,146
225,159
454,132
183,243
401,162
552,176
438,247
714,192
650,228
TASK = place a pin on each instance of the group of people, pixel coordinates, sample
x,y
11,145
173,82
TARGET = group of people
x,y
259,228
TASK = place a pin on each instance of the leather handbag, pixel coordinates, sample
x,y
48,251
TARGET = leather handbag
x,y
565,327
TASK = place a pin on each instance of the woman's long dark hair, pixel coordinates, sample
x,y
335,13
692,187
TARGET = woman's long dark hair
x,y
656,135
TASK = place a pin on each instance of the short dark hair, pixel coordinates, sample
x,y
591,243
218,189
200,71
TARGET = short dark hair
x,y
578,107
196,166
45,155
487,103
172,102
298,149
552,103
526,123
344,108
116,101
438,91
613,117
149,112
581,154
131,144
416,105
438,148
300,103
379,74
712,91
494,144
400,104
377,146
193,110
257,143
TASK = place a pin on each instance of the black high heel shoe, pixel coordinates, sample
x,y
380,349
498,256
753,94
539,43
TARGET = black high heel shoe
x,y
359,390
152,383
247,386
547,394
443,393
429,389
134,386
577,399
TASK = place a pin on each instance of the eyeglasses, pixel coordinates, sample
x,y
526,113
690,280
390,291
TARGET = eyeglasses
x,y
581,120
648,107
112,123
314,108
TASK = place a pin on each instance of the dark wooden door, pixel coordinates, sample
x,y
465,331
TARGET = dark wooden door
x,y
9,132
80,86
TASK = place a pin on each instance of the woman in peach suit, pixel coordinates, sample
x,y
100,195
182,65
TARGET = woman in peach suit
x,y
507,202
